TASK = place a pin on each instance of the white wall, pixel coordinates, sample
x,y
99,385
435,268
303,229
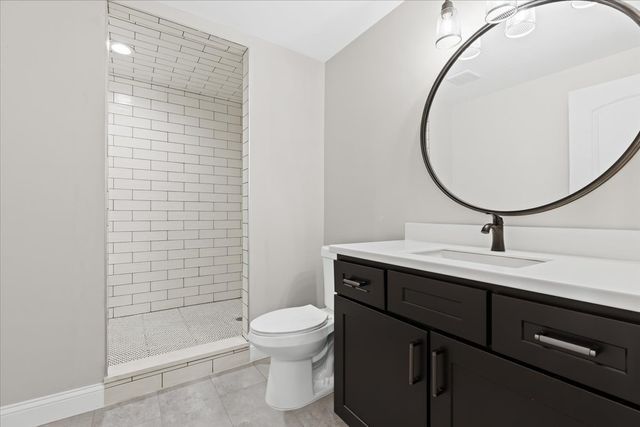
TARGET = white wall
x,y
286,193
53,201
375,179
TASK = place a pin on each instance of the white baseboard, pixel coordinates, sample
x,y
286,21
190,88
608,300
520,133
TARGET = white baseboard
x,y
53,407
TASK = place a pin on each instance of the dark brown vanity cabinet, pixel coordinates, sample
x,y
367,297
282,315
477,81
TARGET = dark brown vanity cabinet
x,y
459,310
427,351
361,283
472,387
382,368
592,350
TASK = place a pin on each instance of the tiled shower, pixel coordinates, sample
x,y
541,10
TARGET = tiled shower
x,y
176,193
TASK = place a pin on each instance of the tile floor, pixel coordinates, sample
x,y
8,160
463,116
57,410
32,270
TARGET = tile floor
x,y
143,335
233,398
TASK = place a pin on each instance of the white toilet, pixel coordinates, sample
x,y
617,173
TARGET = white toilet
x,y
300,343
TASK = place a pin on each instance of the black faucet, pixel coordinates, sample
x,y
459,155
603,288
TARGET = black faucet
x,y
497,226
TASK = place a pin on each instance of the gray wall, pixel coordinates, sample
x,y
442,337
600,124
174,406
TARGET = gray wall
x,y
375,179
53,185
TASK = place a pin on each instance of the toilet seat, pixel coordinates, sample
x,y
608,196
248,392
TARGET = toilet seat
x,y
294,320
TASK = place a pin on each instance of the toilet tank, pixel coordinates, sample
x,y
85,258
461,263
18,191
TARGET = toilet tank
x,y
327,276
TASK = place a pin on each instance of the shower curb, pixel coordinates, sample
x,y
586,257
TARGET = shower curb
x,y
134,379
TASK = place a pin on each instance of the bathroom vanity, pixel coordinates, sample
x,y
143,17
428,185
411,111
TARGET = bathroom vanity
x,y
543,329
523,347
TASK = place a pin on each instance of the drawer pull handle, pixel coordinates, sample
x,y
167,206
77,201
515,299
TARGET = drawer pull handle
x,y
355,284
437,374
554,342
412,377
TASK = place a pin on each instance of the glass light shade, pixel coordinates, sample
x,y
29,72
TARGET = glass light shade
x,y
498,11
448,32
582,4
521,24
472,51
121,48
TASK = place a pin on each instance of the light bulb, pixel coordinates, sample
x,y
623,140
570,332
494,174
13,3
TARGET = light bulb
x,y
472,51
448,30
498,11
521,24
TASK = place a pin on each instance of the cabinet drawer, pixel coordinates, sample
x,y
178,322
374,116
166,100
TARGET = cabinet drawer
x,y
598,352
361,283
455,309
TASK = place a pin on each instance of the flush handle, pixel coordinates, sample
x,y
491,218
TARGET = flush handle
x,y
565,345
355,284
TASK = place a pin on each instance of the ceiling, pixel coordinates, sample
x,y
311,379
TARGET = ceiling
x,y
168,54
318,29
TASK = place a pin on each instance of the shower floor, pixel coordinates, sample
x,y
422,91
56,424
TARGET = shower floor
x,y
137,337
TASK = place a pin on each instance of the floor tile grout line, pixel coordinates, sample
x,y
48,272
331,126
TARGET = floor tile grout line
x,y
236,391
224,407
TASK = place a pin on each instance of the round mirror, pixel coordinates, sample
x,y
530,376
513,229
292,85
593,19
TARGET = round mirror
x,y
537,111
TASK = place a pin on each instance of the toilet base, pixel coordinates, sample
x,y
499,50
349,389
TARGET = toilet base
x,y
291,383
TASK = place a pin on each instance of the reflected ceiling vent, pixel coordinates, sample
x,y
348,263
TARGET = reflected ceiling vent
x,y
463,77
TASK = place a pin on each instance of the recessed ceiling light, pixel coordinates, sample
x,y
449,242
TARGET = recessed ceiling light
x,y
121,48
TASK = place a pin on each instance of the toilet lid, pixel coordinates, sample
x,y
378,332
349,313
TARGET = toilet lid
x,y
289,320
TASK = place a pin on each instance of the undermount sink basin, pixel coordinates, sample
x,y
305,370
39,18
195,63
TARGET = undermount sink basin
x,y
499,260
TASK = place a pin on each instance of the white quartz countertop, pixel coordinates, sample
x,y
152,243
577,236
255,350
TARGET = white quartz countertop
x,y
607,282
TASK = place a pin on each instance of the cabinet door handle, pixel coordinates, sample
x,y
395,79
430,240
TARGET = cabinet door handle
x,y
355,284
412,377
436,371
565,345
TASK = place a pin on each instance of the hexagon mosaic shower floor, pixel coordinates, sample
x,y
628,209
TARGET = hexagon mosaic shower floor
x,y
143,335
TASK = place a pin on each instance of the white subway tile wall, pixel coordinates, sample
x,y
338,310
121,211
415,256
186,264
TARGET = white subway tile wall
x,y
175,218
175,171
172,55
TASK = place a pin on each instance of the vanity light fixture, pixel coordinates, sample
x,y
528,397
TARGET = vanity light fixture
x,y
448,30
521,24
498,11
472,51
581,4
120,48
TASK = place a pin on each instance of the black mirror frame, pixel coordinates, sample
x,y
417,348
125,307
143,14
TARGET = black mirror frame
x,y
611,171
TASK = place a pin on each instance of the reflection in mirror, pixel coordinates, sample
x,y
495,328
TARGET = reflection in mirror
x,y
533,119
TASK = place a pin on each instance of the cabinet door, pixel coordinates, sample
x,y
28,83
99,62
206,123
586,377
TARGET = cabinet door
x,y
380,368
473,388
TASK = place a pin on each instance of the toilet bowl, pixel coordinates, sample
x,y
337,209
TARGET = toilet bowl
x,y
299,341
